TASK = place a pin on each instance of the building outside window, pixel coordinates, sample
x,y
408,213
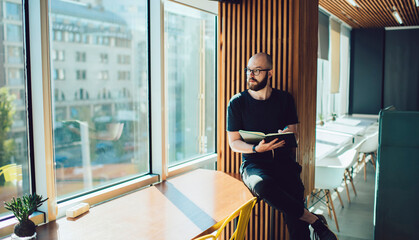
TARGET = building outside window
x,y
14,33
58,35
58,74
14,55
190,56
103,58
124,75
14,157
80,56
103,75
15,77
13,11
124,59
58,55
115,136
81,74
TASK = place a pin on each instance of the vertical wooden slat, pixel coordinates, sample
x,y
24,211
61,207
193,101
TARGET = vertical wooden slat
x,y
238,79
222,100
259,26
276,27
243,46
269,10
284,44
290,44
267,221
263,26
232,68
228,72
275,44
253,27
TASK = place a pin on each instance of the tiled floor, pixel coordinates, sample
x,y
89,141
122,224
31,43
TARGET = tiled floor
x,y
355,219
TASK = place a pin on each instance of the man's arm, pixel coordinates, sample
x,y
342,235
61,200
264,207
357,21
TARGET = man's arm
x,y
291,128
238,145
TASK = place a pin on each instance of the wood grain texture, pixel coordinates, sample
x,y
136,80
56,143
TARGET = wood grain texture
x,y
288,31
373,13
179,208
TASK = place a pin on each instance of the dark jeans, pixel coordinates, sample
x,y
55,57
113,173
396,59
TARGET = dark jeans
x,y
280,186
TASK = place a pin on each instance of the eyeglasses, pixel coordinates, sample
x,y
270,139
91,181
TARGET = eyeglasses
x,y
255,72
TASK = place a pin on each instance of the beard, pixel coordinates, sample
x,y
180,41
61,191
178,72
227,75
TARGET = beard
x,y
260,85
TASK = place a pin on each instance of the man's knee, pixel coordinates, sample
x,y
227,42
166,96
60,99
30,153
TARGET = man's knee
x,y
258,185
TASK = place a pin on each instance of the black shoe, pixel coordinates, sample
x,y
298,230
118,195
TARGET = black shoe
x,y
321,231
322,218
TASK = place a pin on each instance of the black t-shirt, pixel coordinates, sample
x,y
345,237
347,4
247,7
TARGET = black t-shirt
x,y
267,116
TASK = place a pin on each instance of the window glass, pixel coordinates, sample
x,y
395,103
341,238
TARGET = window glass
x,y
190,40
99,141
328,103
14,55
14,33
14,11
15,76
14,161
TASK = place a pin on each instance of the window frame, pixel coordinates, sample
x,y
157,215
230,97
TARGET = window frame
x,y
42,170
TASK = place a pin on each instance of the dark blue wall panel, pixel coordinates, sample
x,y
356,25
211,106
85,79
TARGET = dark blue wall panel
x,y
366,74
397,191
401,75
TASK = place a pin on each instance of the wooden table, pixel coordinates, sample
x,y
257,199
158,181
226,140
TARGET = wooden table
x,y
179,208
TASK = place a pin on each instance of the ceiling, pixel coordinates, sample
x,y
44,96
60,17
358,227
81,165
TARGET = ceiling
x,y
373,13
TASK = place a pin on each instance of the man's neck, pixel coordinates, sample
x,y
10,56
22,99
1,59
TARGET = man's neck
x,y
262,94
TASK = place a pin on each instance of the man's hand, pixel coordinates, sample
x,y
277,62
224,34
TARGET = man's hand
x,y
264,147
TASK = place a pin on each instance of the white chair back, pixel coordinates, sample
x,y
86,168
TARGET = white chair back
x,y
328,177
371,129
370,144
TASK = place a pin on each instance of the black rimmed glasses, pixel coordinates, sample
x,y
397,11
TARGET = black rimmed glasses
x,y
255,72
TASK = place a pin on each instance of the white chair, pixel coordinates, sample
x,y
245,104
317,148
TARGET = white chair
x,y
327,178
348,159
368,147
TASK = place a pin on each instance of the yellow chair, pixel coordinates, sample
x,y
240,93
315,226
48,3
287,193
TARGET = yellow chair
x,y
244,215
12,173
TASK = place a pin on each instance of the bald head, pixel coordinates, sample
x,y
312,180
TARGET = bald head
x,y
263,59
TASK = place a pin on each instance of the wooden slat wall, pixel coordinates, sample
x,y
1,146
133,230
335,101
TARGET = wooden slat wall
x,y
373,13
286,29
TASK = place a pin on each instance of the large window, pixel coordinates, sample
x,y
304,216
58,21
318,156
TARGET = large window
x,y
190,80
14,160
332,102
104,116
97,140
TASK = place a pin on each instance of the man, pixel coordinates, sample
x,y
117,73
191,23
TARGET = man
x,y
269,170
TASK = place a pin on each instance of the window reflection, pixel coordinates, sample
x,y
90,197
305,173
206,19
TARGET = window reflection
x,y
190,57
101,109
14,161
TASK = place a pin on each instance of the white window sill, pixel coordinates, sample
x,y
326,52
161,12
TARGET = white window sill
x,y
107,194
194,164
